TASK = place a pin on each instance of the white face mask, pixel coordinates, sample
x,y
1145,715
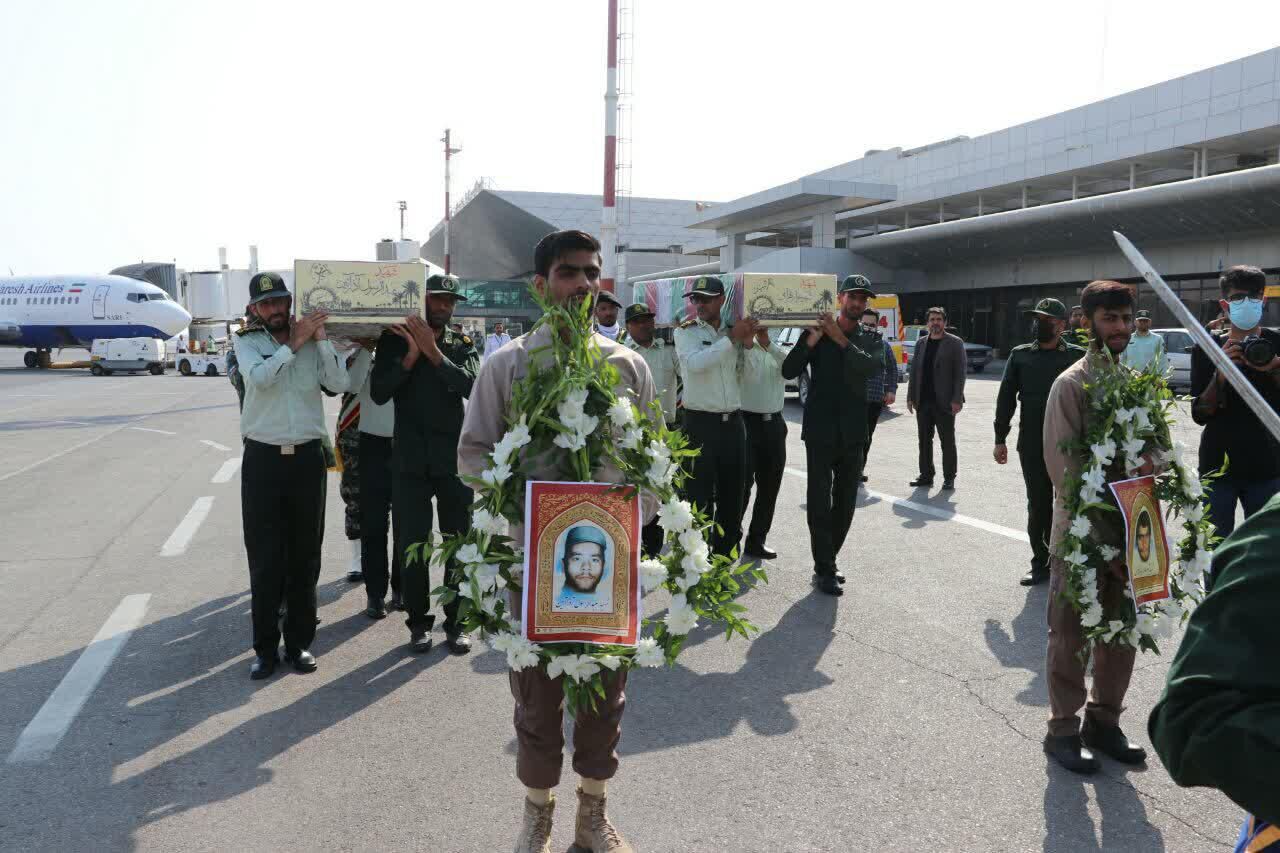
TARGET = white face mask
x,y
610,332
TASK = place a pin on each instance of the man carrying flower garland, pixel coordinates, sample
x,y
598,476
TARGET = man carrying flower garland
x,y
1108,305
567,271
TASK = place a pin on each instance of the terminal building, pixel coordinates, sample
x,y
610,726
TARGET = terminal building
x,y
1189,169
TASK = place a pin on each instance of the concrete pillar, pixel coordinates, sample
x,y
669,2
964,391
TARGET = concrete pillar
x,y
877,221
1075,186
942,212
1024,195
824,231
1195,164
1133,176
731,254
906,219
979,204
1204,162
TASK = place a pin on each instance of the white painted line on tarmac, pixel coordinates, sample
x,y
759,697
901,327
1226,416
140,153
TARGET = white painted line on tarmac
x,y
936,512
215,445
24,469
181,536
227,471
149,429
45,731
76,423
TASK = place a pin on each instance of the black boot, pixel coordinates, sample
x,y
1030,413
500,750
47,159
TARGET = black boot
x,y
1068,751
1035,577
376,609
1109,740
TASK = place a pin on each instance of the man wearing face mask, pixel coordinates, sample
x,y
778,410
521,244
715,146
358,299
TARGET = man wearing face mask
x,y
284,478
1232,432
1028,376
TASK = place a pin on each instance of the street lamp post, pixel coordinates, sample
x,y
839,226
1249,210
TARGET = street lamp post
x,y
448,213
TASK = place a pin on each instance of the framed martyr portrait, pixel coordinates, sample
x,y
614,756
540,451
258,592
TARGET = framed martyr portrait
x,y
581,569
1146,545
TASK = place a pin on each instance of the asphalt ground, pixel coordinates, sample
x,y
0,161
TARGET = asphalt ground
x,y
906,715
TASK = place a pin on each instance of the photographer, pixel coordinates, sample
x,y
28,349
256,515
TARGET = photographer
x,y
1231,431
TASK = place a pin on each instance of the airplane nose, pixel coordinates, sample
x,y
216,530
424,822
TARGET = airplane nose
x,y
174,319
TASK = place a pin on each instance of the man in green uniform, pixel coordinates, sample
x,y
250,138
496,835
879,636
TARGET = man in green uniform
x,y
840,356
1028,376
1216,724
428,369
284,362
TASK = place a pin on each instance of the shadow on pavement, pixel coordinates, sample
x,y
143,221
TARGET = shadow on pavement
x,y
1069,827
1022,645
174,676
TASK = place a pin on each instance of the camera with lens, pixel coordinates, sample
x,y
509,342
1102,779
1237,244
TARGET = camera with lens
x,y
1257,350
875,333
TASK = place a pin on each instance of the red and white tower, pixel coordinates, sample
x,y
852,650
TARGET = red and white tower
x,y
609,222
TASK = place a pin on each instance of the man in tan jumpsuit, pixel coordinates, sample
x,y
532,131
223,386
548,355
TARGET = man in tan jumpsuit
x,y
1109,305
567,269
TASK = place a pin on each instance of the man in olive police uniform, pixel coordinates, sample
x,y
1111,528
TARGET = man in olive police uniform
x,y
840,356
1028,376
710,353
284,363
428,369
665,367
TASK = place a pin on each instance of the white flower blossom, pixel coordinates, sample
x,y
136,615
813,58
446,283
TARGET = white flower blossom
x,y
1076,557
696,562
610,662
1092,616
486,522
622,413
496,475
1095,478
1115,626
686,580
576,667
1080,527
1145,624
652,574
488,577
522,656
680,618
1104,451
661,472
1193,513
691,540
469,553
1108,553
1191,487
502,642
1132,638
571,442
649,653
675,516
1141,420
631,439
1123,416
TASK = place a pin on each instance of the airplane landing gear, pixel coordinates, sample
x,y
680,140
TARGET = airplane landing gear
x,y
29,359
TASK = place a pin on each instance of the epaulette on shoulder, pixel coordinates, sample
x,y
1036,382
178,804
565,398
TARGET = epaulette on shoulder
x,y
466,340
244,330
688,324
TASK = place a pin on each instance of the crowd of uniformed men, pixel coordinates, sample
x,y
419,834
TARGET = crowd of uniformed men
x,y
402,420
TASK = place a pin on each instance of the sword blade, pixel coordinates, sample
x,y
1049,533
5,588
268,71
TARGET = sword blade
x,y
1228,368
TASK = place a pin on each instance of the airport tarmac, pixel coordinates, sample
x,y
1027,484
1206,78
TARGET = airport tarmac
x,y
906,716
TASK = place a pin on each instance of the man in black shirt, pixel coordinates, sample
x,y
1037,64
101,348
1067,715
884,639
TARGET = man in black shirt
x,y
1232,432
428,369
840,356
935,394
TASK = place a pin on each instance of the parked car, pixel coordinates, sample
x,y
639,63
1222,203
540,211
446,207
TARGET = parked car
x,y
1178,345
786,340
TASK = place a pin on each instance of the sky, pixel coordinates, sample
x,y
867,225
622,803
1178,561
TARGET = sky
x,y
134,130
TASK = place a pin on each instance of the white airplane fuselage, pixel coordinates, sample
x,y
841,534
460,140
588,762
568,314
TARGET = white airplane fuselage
x,y
46,312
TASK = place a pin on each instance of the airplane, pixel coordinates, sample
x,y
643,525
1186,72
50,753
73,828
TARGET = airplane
x,y
48,312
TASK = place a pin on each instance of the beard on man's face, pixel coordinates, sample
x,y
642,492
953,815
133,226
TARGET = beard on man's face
x,y
1045,331
585,583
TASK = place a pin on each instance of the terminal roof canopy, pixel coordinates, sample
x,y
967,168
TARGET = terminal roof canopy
x,y
794,201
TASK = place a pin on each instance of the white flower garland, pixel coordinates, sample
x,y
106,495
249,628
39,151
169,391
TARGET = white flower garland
x,y
1129,419
591,427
